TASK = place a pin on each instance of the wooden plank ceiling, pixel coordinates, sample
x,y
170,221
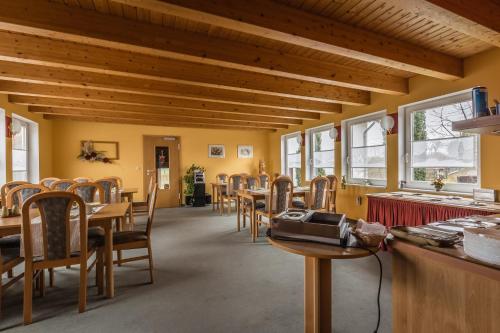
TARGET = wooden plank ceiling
x,y
257,65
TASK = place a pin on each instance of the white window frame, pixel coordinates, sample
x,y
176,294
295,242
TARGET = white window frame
x,y
346,148
405,135
33,155
3,145
310,148
284,152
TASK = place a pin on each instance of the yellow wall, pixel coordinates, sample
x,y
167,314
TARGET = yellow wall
x,y
480,70
44,132
194,149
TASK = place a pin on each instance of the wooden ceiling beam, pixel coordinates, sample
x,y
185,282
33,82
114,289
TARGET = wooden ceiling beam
x,y
39,104
152,123
83,94
294,26
90,27
69,55
22,72
150,117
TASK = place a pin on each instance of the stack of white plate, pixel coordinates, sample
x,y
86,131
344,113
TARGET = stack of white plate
x,y
483,244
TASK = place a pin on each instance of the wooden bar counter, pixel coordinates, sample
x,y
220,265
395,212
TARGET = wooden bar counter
x,y
443,290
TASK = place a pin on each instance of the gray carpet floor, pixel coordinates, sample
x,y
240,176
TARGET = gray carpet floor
x,y
209,278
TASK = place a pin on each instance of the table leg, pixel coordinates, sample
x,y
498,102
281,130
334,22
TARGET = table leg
x,y
130,226
253,221
213,198
108,254
317,295
238,199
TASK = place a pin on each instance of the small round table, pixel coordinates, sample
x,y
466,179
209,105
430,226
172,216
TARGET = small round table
x,y
318,279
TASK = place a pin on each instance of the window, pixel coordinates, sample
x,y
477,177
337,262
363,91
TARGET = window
x,y
364,150
432,150
291,157
20,150
320,152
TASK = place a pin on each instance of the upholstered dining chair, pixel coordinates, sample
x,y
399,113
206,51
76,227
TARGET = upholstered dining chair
x,y
250,182
317,198
61,184
221,178
57,248
88,191
233,185
280,198
332,195
110,185
83,180
137,239
264,180
48,181
19,194
9,186
119,181
142,207
9,259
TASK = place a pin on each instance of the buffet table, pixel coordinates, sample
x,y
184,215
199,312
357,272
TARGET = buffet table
x,y
411,209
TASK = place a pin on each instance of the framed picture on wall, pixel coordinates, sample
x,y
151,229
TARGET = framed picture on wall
x,y
216,151
245,151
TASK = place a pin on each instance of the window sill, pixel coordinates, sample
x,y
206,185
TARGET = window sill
x,y
365,185
418,190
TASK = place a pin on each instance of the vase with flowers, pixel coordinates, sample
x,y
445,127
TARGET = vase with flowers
x,y
438,183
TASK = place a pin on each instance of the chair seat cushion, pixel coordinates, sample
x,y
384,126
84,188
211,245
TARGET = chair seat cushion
x,y
129,236
96,232
9,254
10,242
298,204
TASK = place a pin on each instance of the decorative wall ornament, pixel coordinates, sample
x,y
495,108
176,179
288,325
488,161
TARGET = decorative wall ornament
x,y
245,151
88,151
216,151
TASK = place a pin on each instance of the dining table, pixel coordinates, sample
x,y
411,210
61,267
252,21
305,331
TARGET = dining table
x,y
128,193
103,218
253,195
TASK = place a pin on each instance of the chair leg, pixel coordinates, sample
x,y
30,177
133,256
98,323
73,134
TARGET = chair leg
x,y
82,296
42,283
10,274
100,271
51,277
28,294
221,205
150,254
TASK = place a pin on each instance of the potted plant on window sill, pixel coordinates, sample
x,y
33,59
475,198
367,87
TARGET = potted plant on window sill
x,y
189,181
438,183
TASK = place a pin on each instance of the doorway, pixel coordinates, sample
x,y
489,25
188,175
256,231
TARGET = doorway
x,y
161,161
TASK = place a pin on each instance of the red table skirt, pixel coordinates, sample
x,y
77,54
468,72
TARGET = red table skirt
x,y
391,212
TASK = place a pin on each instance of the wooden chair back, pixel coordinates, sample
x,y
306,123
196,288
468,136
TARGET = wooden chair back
x,y
234,184
9,186
332,195
265,180
87,191
118,180
48,181
61,184
83,180
282,188
251,182
318,194
19,194
221,178
109,185
151,209
54,209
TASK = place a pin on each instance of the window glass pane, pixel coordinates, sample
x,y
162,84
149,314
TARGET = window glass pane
x,y
367,134
456,152
20,175
437,151
436,123
19,137
322,141
368,173
19,160
292,145
370,157
294,160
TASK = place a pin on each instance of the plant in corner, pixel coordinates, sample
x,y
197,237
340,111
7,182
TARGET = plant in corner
x,y
189,181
